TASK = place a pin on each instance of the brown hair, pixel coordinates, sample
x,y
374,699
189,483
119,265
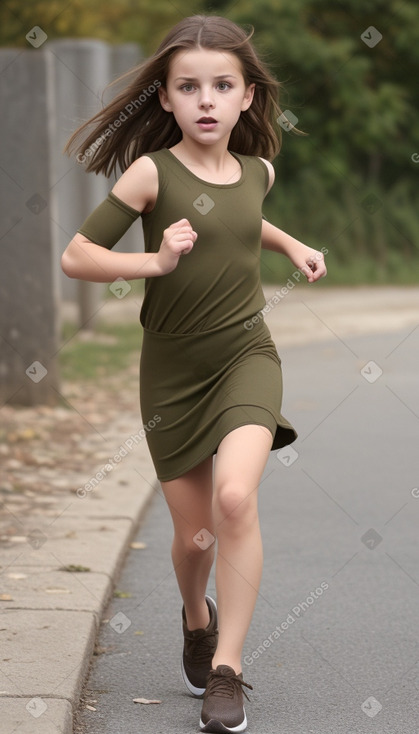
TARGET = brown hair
x,y
143,124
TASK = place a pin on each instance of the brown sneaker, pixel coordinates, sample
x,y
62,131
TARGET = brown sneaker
x,y
223,711
198,651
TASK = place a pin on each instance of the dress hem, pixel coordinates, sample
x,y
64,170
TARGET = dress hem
x,y
212,450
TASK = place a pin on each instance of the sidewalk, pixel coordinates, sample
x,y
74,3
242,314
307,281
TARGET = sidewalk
x,y
49,626
51,616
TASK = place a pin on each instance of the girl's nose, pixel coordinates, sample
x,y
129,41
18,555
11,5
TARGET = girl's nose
x,y
206,99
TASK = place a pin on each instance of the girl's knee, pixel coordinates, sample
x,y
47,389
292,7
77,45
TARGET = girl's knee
x,y
235,505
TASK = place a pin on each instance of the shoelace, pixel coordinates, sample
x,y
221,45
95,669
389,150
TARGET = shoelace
x,y
223,685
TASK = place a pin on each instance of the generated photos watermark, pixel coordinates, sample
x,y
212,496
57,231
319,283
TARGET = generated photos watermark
x,y
123,116
123,451
279,294
296,612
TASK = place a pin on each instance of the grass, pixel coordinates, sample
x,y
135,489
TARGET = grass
x,y
396,270
107,351
366,247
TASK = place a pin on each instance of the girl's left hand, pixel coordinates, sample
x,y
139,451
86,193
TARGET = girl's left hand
x,y
311,263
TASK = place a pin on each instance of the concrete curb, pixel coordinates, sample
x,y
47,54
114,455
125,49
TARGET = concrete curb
x,y
49,627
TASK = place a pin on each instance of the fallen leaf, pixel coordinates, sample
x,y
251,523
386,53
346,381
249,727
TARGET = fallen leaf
x,y
27,434
122,594
91,708
138,632
57,590
73,568
6,597
145,700
138,546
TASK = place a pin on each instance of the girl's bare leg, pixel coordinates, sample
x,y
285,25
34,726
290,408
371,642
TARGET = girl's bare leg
x,y
190,502
239,465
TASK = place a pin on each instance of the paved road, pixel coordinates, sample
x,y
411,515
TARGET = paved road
x,y
341,579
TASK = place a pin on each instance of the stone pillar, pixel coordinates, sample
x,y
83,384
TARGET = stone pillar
x,y
80,69
28,259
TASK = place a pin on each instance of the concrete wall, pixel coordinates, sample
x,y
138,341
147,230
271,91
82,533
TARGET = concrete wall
x,y
46,92
28,263
80,71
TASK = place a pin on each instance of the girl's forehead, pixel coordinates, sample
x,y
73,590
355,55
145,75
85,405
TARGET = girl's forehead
x,y
204,61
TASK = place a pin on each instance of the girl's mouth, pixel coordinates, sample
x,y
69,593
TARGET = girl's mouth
x,y
207,123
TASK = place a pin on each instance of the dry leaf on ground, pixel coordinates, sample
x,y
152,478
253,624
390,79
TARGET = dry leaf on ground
x,y
145,700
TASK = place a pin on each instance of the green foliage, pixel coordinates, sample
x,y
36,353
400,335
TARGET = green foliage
x,y
115,21
353,101
357,104
371,235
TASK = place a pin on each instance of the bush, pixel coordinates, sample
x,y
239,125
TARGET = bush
x,y
372,235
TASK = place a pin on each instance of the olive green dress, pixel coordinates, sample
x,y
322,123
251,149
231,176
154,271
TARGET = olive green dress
x,y
206,367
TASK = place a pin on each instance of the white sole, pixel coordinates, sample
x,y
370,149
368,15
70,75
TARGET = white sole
x,y
219,728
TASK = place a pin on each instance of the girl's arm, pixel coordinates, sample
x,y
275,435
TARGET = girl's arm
x,y
306,259
85,260
309,261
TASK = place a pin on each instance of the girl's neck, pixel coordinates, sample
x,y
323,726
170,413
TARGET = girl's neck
x,y
212,158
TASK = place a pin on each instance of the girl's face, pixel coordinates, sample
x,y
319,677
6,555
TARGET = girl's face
x,y
206,92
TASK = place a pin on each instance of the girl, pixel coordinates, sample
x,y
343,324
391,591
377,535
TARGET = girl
x,y
193,134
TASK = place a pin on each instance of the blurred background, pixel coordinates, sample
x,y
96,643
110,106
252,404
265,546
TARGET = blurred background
x,y
348,71
351,183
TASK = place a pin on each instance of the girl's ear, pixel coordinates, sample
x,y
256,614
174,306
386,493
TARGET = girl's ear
x,y
164,101
248,97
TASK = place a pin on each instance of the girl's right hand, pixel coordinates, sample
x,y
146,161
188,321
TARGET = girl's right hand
x,y
178,239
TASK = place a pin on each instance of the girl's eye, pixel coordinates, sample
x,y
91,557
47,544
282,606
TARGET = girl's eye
x,y
222,86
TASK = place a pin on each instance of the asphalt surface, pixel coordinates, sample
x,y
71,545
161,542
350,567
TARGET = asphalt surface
x,y
339,515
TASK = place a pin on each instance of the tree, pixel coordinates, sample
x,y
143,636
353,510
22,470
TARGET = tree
x,y
348,71
115,21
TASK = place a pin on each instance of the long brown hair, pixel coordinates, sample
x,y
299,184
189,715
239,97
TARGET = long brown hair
x,y
134,123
